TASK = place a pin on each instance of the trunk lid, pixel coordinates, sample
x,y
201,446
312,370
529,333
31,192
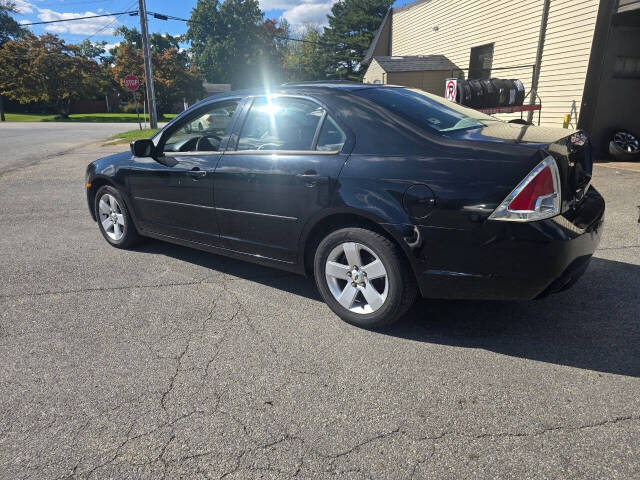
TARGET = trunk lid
x,y
570,149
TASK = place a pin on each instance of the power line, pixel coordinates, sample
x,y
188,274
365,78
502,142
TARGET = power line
x,y
161,16
79,18
113,23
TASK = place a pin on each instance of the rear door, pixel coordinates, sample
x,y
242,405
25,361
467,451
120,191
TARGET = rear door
x,y
279,171
175,197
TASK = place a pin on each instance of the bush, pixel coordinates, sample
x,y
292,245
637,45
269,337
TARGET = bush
x,y
131,108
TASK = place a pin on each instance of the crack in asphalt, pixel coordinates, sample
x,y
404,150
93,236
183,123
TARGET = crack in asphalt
x,y
534,433
133,287
241,311
165,394
175,374
37,159
101,289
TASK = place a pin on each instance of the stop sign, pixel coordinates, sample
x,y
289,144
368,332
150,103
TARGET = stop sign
x,y
131,83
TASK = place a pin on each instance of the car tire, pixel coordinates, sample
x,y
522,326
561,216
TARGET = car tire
x,y
375,294
624,146
114,220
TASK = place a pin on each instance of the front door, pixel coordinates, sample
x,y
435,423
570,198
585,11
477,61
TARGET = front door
x,y
175,197
282,171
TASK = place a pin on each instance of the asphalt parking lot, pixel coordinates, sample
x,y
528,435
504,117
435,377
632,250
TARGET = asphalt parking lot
x,y
166,362
25,143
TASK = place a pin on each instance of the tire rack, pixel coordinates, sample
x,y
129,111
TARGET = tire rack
x,y
513,109
533,107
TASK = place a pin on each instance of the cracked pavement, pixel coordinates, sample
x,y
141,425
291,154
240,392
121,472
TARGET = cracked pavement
x,y
167,362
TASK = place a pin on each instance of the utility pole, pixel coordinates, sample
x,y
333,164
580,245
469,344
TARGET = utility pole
x,y
148,71
536,69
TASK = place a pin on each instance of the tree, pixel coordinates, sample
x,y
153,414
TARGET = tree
x,y
352,26
161,43
130,36
9,30
157,41
174,76
94,51
231,43
47,69
306,59
175,79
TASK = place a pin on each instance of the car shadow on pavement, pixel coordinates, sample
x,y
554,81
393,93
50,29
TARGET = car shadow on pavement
x,y
273,277
595,325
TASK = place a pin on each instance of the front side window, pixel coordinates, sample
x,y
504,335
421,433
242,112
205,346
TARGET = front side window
x,y
426,110
204,132
280,123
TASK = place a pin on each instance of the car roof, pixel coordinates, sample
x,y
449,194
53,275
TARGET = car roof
x,y
325,87
304,88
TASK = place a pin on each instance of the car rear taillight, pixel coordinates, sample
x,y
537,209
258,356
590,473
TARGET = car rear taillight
x,y
537,197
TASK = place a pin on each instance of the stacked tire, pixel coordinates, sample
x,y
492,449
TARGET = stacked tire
x,y
491,93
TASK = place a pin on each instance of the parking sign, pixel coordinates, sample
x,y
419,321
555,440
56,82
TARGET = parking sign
x,y
451,86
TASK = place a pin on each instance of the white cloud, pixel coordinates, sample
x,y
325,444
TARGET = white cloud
x,y
298,12
280,4
313,12
23,6
88,26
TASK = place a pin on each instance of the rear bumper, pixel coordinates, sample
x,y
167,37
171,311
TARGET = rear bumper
x,y
510,261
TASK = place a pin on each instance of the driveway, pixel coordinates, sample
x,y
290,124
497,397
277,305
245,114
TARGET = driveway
x,y
166,362
25,143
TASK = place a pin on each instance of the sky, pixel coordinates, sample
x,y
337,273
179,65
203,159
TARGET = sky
x,y
99,29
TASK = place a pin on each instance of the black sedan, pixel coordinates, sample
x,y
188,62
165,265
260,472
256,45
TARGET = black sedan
x,y
380,192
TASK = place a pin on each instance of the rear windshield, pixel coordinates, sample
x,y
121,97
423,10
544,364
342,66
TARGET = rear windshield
x,y
425,109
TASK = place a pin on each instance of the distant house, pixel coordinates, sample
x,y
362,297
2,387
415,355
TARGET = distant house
x,y
215,88
427,72
583,55
210,89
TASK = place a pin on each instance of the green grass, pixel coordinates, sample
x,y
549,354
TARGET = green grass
x,y
28,117
129,136
81,117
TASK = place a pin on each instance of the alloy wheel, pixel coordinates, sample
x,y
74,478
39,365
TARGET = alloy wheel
x,y
111,217
627,142
356,277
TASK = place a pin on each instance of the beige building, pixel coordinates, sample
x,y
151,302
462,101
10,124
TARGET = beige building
x,y
577,51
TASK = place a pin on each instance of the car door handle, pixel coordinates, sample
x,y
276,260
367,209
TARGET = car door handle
x,y
196,173
310,178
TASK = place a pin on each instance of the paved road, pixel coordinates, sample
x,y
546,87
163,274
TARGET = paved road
x,y
166,362
25,143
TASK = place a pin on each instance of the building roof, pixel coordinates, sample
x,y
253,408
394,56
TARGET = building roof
x,y
216,87
415,63
385,24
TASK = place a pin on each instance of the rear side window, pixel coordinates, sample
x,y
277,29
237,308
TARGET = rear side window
x,y
331,136
280,123
426,110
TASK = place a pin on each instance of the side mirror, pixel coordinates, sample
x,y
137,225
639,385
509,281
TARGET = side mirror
x,y
143,148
